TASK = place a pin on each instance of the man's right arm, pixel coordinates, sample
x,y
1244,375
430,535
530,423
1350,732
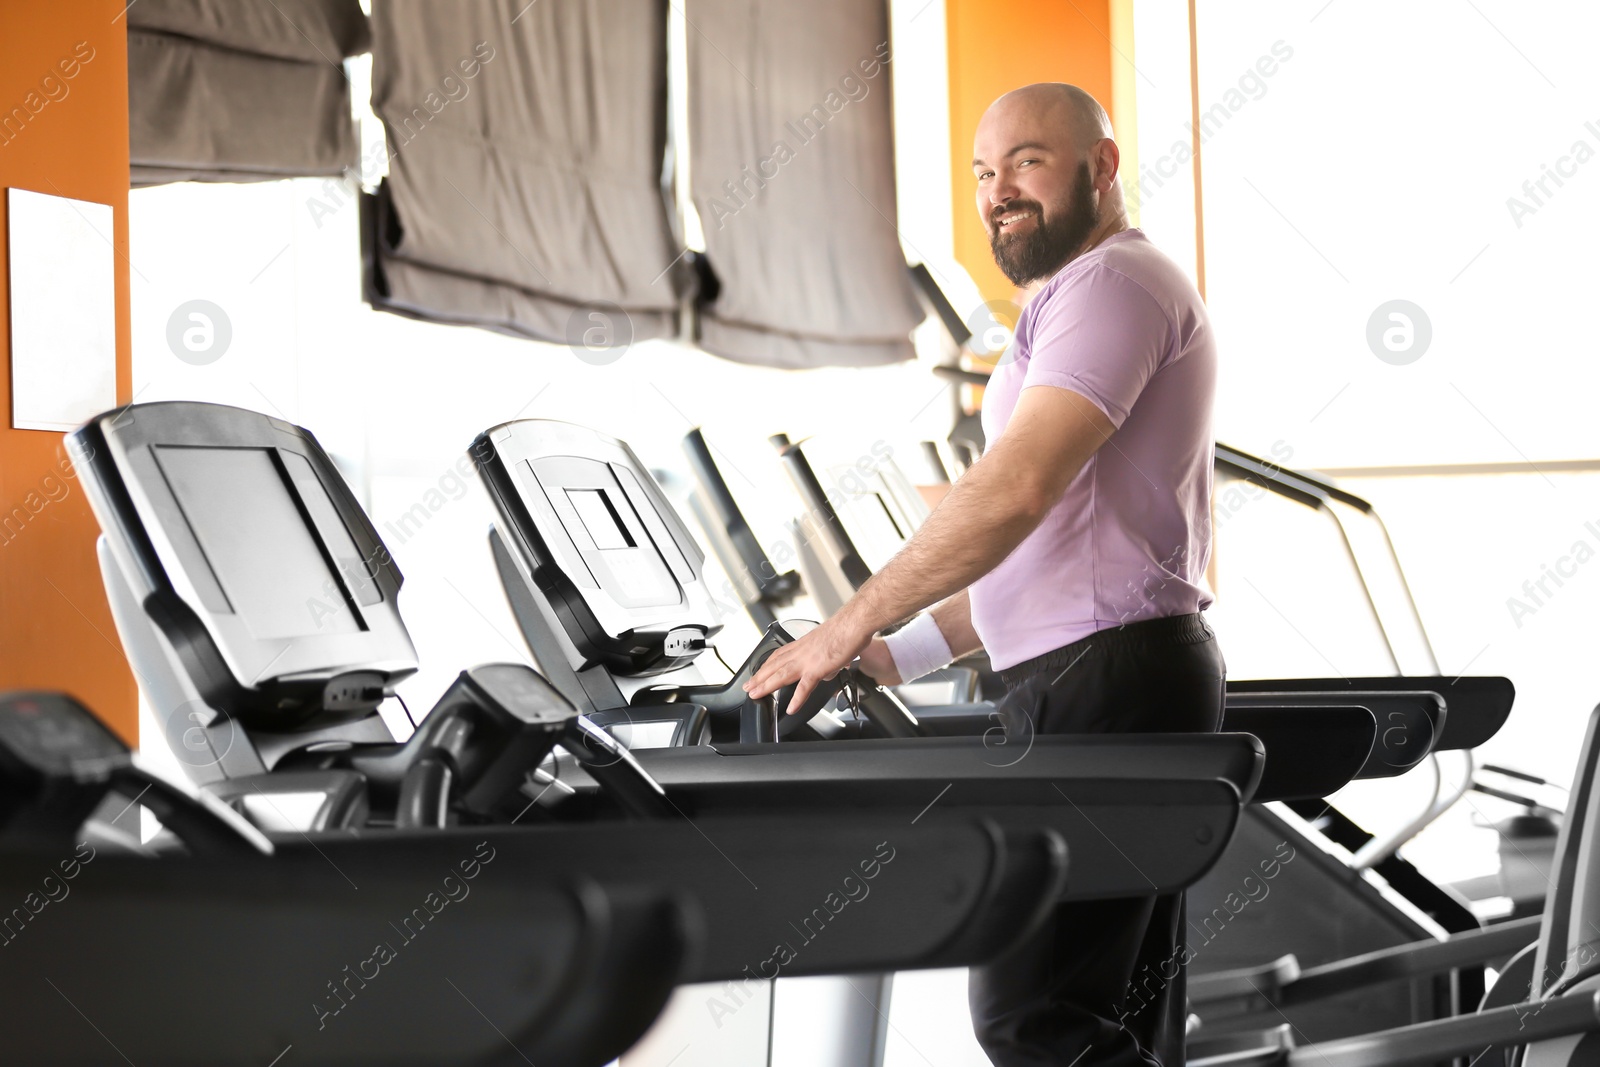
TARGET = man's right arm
x,y
954,617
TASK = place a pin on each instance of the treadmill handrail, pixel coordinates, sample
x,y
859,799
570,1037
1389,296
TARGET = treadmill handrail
x,y
1462,1035
1417,718
1315,491
885,764
1152,818
807,485
961,377
1283,981
934,299
1413,961
1477,706
1006,878
577,948
769,583
1333,743
1312,490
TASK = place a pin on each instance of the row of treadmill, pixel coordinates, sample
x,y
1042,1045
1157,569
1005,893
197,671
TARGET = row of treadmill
x,y
560,844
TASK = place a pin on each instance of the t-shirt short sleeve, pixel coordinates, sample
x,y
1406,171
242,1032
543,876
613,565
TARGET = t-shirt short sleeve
x,y
1103,336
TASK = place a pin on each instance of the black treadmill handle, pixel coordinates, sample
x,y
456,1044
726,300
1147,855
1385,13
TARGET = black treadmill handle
x,y
758,719
882,708
434,780
494,725
421,774
610,763
404,775
425,793
203,823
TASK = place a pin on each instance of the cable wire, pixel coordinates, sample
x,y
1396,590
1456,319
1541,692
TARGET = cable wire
x,y
407,710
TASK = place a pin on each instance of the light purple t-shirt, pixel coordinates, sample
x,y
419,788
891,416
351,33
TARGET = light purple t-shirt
x,y
1129,540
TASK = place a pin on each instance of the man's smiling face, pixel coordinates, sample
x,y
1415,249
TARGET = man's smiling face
x,y
1036,192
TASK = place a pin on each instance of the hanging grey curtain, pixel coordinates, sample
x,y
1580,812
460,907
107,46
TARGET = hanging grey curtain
x,y
792,173
240,90
526,147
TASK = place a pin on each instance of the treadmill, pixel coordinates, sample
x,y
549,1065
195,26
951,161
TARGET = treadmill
x,y
217,945
569,500
251,921
607,585
258,608
1358,913
1542,1011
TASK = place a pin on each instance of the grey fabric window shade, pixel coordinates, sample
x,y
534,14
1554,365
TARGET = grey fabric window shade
x,y
526,150
792,173
241,90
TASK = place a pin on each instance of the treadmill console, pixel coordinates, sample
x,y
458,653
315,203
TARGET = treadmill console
x,y
58,763
234,538
602,546
50,735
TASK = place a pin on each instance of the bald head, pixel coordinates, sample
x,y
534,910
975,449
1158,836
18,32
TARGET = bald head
x,y
1058,106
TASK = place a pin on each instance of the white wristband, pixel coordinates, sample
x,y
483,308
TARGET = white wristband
x,y
918,648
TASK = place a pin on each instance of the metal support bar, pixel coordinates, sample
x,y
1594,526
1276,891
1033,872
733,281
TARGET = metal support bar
x,y
1465,1035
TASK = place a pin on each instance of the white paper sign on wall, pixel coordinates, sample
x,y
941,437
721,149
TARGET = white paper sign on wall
x,y
63,311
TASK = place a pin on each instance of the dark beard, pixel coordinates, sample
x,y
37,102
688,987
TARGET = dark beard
x,y
1054,240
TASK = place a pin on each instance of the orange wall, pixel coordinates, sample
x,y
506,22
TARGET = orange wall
x,y
997,46
55,628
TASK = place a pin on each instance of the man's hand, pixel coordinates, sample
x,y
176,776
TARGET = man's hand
x,y
877,663
817,656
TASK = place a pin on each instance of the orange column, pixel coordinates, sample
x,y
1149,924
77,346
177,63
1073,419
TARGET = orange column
x,y
996,46
63,131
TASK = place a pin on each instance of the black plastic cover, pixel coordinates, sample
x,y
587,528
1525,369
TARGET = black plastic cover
x,y
1477,706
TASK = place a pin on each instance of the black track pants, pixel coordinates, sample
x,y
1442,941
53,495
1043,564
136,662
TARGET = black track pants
x,y
1063,998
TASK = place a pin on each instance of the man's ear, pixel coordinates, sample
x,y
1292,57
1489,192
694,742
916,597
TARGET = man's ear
x,y
1107,159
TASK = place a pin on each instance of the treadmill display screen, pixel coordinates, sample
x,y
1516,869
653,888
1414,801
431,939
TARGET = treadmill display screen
x,y
249,524
599,518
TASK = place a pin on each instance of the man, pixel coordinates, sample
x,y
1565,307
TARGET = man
x,y
1073,552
